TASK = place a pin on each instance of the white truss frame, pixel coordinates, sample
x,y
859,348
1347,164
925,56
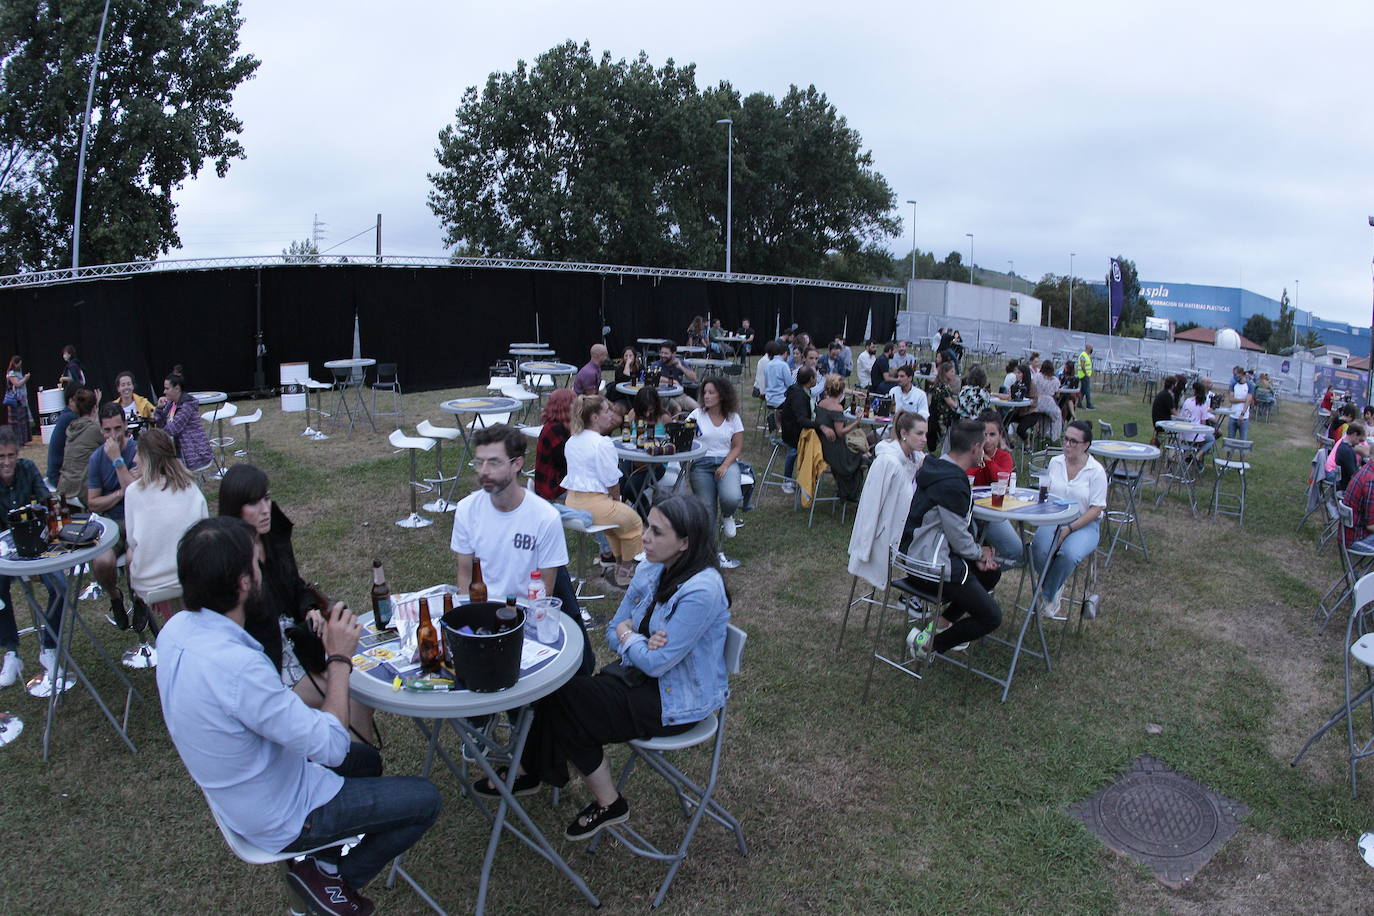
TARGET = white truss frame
x,y
71,275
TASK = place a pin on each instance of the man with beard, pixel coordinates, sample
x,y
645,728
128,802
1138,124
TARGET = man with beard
x,y
279,774
510,529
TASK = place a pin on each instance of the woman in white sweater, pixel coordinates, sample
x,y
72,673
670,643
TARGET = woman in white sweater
x,y
158,508
593,482
886,498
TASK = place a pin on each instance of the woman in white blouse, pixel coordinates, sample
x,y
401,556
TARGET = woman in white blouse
x,y
1080,478
593,483
715,477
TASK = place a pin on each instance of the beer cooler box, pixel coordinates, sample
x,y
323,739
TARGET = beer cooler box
x,y
293,376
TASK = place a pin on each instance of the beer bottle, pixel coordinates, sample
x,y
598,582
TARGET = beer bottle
x,y
477,589
428,639
54,518
381,598
506,615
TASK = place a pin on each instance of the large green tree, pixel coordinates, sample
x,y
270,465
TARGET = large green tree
x,y
161,112
1089,306
597,160
1284,334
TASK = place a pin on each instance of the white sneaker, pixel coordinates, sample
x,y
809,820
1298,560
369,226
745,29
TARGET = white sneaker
x,y
1051,609
11,669
726,562
787,487
728,524
11,726
42,685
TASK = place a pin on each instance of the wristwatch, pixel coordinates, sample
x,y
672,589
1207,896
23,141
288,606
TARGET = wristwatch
x,y
118,462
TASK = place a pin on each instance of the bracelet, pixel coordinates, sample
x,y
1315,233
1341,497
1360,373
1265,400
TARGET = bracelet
x,y
118,462
338,658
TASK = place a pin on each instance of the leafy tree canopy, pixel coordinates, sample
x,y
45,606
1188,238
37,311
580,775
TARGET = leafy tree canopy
x,y
168,70
596,160
1258,328
1089,306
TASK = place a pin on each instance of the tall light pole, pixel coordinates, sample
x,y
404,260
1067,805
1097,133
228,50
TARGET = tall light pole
x,y
1295,317
1369,380
913,238
1070,291
729,184
970,257
85,129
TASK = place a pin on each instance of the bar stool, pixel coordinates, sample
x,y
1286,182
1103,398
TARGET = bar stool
x,y
387,380
317,389
1234,455
576,525
220,441
247,423
401,442
439,434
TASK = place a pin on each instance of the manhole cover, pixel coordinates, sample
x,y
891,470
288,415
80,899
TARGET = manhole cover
x,y
1162,819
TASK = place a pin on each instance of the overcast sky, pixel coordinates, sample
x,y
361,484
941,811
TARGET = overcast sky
x,y
1226,143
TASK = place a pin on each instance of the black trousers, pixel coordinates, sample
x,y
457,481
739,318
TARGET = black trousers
x,y
572,724
969,607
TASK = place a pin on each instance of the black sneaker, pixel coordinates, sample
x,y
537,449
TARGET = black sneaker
x,y
328,894
593,818
118,617
140,621
525,784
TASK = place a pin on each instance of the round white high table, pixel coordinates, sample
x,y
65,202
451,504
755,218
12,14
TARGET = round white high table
x,y
72,564
1118,452
206,398
1053,512
353,383
480,408
630,453
432,710
664,391
1180,464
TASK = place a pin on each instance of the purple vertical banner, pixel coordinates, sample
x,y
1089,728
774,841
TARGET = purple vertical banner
x,y
1116,293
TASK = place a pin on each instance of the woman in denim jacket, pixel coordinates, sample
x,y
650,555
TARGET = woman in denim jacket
x,y
670,635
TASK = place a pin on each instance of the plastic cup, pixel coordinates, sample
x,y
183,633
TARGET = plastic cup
x,y
999,490
546,623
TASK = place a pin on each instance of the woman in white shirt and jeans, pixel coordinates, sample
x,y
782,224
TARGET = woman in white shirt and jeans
x,y
716,476
593,482
1080,478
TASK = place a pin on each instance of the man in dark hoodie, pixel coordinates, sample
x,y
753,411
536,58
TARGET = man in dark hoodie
x,y
939,530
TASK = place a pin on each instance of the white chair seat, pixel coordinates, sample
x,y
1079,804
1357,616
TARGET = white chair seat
x,y
532,431
222,412
519,393
316,386
574,524
399,439
1363,650
254,855
426,428
498,382
253,417
1360,551
1232,465
704,730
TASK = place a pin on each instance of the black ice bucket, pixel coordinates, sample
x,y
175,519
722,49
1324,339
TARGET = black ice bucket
x,y
483,663
29,524
680,434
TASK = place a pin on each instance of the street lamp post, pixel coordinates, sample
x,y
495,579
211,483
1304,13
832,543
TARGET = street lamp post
x,y
1071,292
1369,379
729,184
913,238
1294,316
85,129
970,257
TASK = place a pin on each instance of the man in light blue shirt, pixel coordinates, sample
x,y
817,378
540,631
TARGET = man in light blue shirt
x,y
276,772
777,377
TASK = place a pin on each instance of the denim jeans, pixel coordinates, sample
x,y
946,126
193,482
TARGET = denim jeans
x,y
1001,536
602,542
709,490
56,584
1085,391
393,811
790,464
1076,548
1238,429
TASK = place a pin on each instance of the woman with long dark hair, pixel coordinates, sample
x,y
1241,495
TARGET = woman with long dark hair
x,y
17,399
715,478
670,635
291,618
178,412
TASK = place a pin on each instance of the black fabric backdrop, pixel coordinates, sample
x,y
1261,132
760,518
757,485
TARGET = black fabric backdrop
x,y
443,326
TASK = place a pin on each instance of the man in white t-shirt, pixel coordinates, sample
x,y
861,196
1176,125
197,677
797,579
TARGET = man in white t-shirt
x,y
864,364
1242,399
906,396
510,529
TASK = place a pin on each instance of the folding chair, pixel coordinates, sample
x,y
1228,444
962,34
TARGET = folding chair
x,y
695,800
1354,560
922,603
1361,644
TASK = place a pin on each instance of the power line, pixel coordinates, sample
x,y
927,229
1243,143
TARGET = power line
x,y
350,238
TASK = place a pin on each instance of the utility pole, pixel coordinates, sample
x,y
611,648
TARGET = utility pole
x,y
317,232
379,238
85,130
1071,292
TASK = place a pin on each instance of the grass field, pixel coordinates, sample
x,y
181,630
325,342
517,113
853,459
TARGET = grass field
x,y
930,798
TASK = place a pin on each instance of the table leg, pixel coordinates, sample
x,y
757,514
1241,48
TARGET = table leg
x,y
65,662
362,404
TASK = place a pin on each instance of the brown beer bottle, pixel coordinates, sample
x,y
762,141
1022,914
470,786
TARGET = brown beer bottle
x,y
381,598
54,518
477,589
506,615
428,639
